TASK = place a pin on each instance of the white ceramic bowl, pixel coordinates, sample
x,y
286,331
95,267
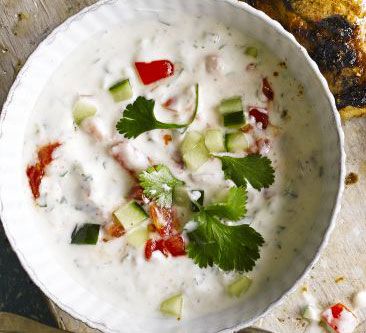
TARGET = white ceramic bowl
x,y
21,228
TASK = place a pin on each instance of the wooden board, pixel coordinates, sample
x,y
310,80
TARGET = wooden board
x,y
340,272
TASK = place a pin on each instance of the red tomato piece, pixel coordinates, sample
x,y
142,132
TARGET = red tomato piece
x,y
267,89
151,72
164,219
260,117
149,248
175,245
45,153
36,171
35,174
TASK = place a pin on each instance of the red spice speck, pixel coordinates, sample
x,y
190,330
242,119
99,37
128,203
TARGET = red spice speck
x,y
167,139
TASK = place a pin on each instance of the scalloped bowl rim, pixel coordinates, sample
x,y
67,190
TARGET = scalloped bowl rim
x,y
266,21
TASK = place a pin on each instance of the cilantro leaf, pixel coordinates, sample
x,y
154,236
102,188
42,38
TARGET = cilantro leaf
x,y
139,117
159,183
233,208
232,248
255,169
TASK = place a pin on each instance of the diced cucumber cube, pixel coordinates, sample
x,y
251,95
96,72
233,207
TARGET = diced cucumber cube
x,y
138,236
194,151
196,157
214,141
234,119
130,215
251,51
172,306
239,286
191,140
236,142
121,91
230,105
82,110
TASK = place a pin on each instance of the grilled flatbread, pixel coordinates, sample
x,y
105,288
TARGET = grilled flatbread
x,y
333,32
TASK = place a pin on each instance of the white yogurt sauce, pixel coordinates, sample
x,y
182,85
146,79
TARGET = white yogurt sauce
x,y
85,183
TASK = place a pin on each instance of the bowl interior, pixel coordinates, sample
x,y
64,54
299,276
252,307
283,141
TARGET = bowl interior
x,y
21,224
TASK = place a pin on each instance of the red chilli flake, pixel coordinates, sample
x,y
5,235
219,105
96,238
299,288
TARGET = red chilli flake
x,y
151,72
36,171
267,89
260,117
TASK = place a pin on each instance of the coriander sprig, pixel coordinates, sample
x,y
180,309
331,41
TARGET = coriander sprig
x,y
139,118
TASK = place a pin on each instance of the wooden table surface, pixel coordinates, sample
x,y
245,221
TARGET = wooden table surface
x,y
341,270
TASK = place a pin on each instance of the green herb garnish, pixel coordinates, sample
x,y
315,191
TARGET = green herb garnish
x,y
139,118
232,248
159,183
255,169
233,208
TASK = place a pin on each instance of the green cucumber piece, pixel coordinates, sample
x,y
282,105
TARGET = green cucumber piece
x,y
234,119
83,110
230,105
172,306
121,91
194,151
86,234
194,206
190,141
196,157
236,142
239,286
214,141
130,215
251,51
138,236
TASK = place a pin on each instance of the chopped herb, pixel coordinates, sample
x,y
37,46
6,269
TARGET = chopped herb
x,y
232,248
233,208
255,169
139,118
159,183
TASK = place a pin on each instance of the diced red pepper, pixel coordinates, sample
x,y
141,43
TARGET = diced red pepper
x,y
175,245
260,117
164,219
267,89
339,319
337,309
36,171
154,71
